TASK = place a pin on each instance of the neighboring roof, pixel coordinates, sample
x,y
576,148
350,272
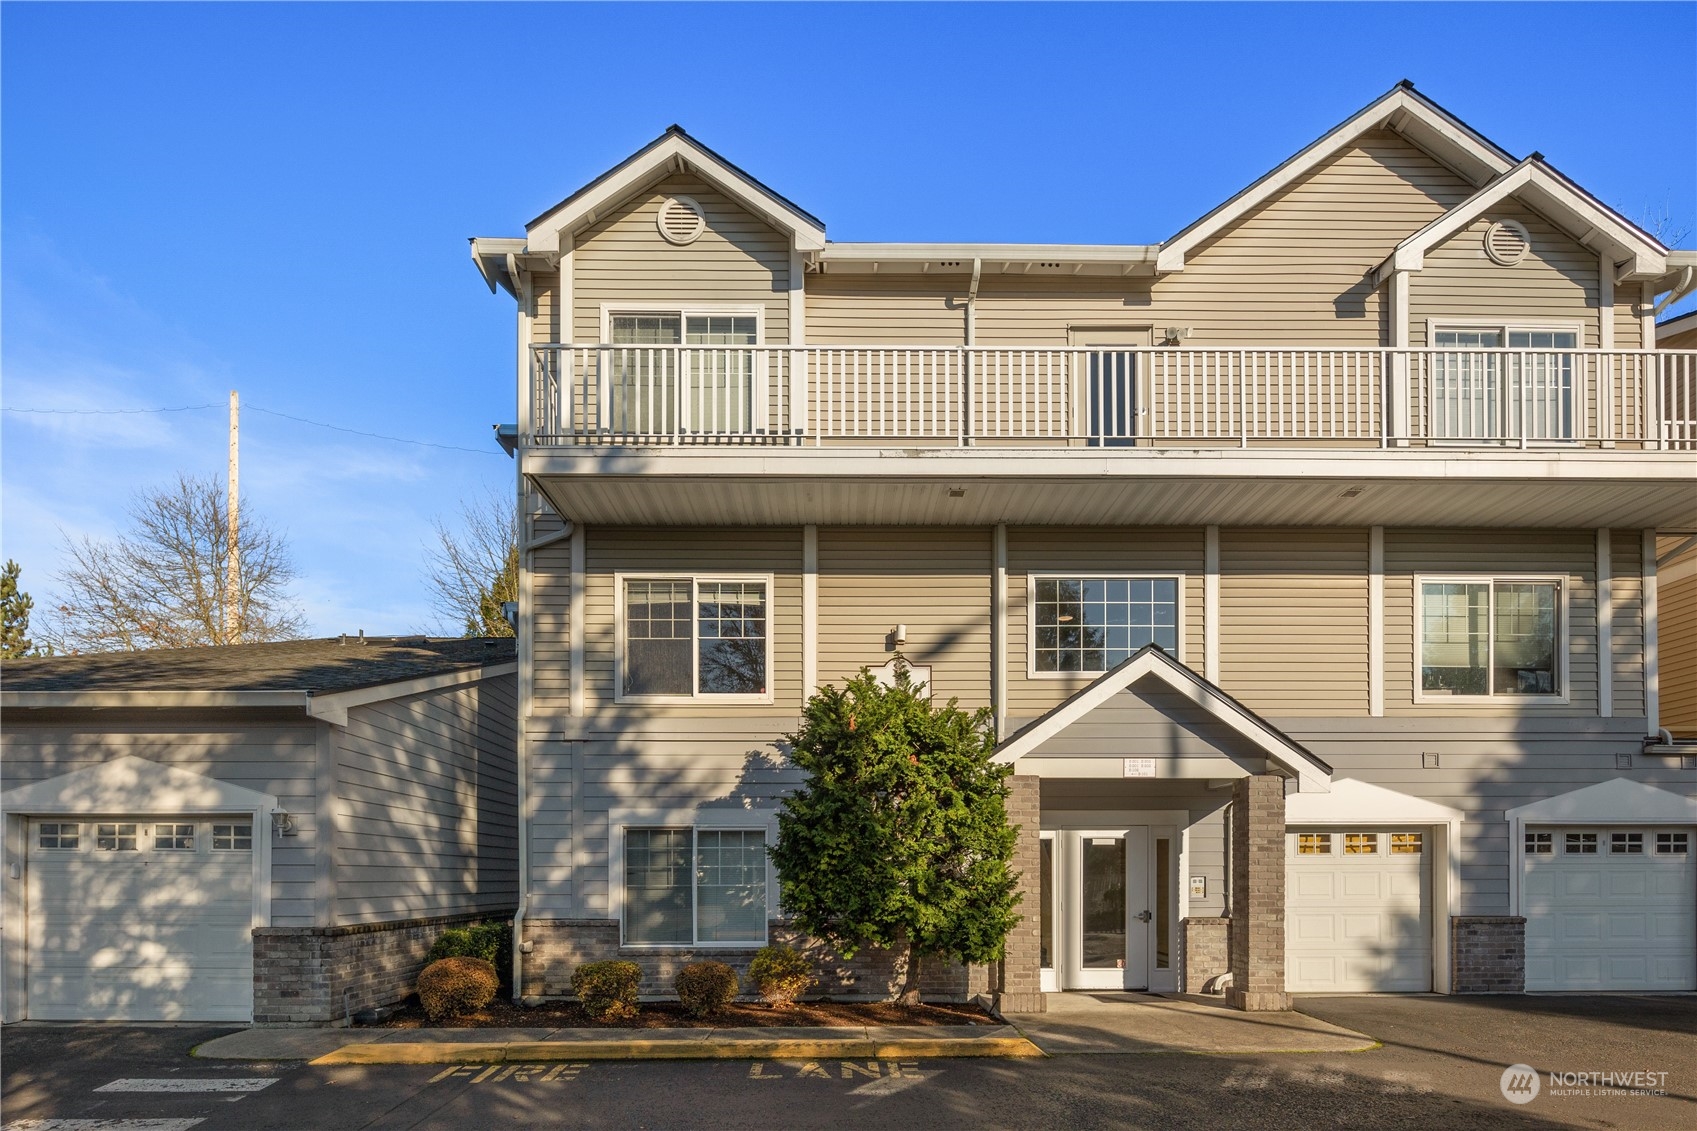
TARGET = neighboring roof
x,y
1679,324
1556,198
672,151
1403,109
993,258
315,667
1150,661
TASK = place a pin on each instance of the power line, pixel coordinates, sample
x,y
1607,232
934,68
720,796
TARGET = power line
x,y
251,408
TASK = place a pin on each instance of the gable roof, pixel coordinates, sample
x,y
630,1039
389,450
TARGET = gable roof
x,y
1617,800
1533,181
1151,662
130,784
672,151
1403,109
323,666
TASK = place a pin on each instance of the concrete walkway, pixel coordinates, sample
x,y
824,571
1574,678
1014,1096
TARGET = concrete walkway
x,y
493,1046
1107,1022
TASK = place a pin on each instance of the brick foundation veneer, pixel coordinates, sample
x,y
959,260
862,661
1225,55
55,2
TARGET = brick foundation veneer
x,y
1487,954
560,946
321,975
1204,952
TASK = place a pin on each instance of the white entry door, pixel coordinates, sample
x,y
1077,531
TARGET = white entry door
x,y
141,918
1107,909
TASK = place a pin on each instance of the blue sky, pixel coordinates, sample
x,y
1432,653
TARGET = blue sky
x,y
276,199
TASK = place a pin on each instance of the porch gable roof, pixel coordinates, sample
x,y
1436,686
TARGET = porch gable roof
x,y
1150,662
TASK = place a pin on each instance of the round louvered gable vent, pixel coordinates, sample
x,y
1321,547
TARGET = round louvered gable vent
x,y
681,220
1507,242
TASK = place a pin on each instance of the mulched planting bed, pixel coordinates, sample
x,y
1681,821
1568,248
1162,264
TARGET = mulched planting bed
x,y
669,1015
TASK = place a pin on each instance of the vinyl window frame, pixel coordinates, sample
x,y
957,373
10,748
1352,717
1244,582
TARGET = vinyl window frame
x,y
1579,408
1492,700
696,695
684,311
696,821
1032,577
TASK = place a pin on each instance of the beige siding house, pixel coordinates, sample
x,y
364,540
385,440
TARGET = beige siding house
x,y
265,832
1307,561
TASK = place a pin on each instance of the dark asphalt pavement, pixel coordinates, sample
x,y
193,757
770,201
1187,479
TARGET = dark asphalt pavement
x,y
1440,1066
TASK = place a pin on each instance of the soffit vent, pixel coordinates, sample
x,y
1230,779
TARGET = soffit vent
x,y
681,220
1507,242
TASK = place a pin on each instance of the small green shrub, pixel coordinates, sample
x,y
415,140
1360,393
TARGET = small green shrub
x,y
492,942
706,988
607,990
452,986
781,974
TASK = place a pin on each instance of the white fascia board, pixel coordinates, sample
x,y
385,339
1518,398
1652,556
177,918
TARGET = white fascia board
x,y
1399,103
46,700
1312,776
1114,254
1550,195
1616,801
544,235
333,708
928,464
1686,321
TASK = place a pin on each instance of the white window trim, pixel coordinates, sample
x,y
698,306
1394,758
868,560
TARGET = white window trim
x,y
695,580
696,820
683,311
1034,576
1492,700
1433,325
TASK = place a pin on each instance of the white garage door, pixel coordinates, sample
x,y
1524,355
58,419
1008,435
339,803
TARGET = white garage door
x,y
141,919
1610,909
1358,910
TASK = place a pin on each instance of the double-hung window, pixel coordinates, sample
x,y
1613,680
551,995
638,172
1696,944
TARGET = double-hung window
x,y
680,371
694,884
695,638
1501,383
1490,638
1083,623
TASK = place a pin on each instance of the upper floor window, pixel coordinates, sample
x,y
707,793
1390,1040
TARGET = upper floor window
x,y
689,637
1475,394
654,390
1490,637
1090,624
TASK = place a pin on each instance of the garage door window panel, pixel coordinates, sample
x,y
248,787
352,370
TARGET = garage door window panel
x,y
59,836
173,838
1580,844
115,838
232,838
1540,844
1673,844
1626,844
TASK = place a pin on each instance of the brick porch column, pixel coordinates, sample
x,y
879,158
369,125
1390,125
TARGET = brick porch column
x,y
1021,985
1258,894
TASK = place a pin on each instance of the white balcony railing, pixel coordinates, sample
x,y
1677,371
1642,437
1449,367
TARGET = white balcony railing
x,y
1110,397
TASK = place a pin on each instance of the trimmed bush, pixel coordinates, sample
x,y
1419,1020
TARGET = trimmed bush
x,y
781,974
706,988
607,990
453,986
492,942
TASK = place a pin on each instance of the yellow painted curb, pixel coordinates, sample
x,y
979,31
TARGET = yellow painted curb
x,y
532,1052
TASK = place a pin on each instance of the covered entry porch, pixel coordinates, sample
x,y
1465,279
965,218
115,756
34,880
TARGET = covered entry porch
x,y
1151,808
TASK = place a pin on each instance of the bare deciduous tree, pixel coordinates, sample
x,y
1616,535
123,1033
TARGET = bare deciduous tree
x,y
474,569
161,584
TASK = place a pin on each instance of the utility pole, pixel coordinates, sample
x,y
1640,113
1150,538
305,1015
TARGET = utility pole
x,y
232,558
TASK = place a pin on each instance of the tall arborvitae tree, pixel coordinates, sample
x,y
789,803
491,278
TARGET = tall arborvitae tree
x,y
15,606
899,836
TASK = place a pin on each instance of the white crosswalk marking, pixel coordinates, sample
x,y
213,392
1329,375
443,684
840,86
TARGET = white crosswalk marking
x,y
178,1084
101,1124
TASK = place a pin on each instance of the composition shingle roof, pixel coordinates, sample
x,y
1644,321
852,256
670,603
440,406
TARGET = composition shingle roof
x,y
317,666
